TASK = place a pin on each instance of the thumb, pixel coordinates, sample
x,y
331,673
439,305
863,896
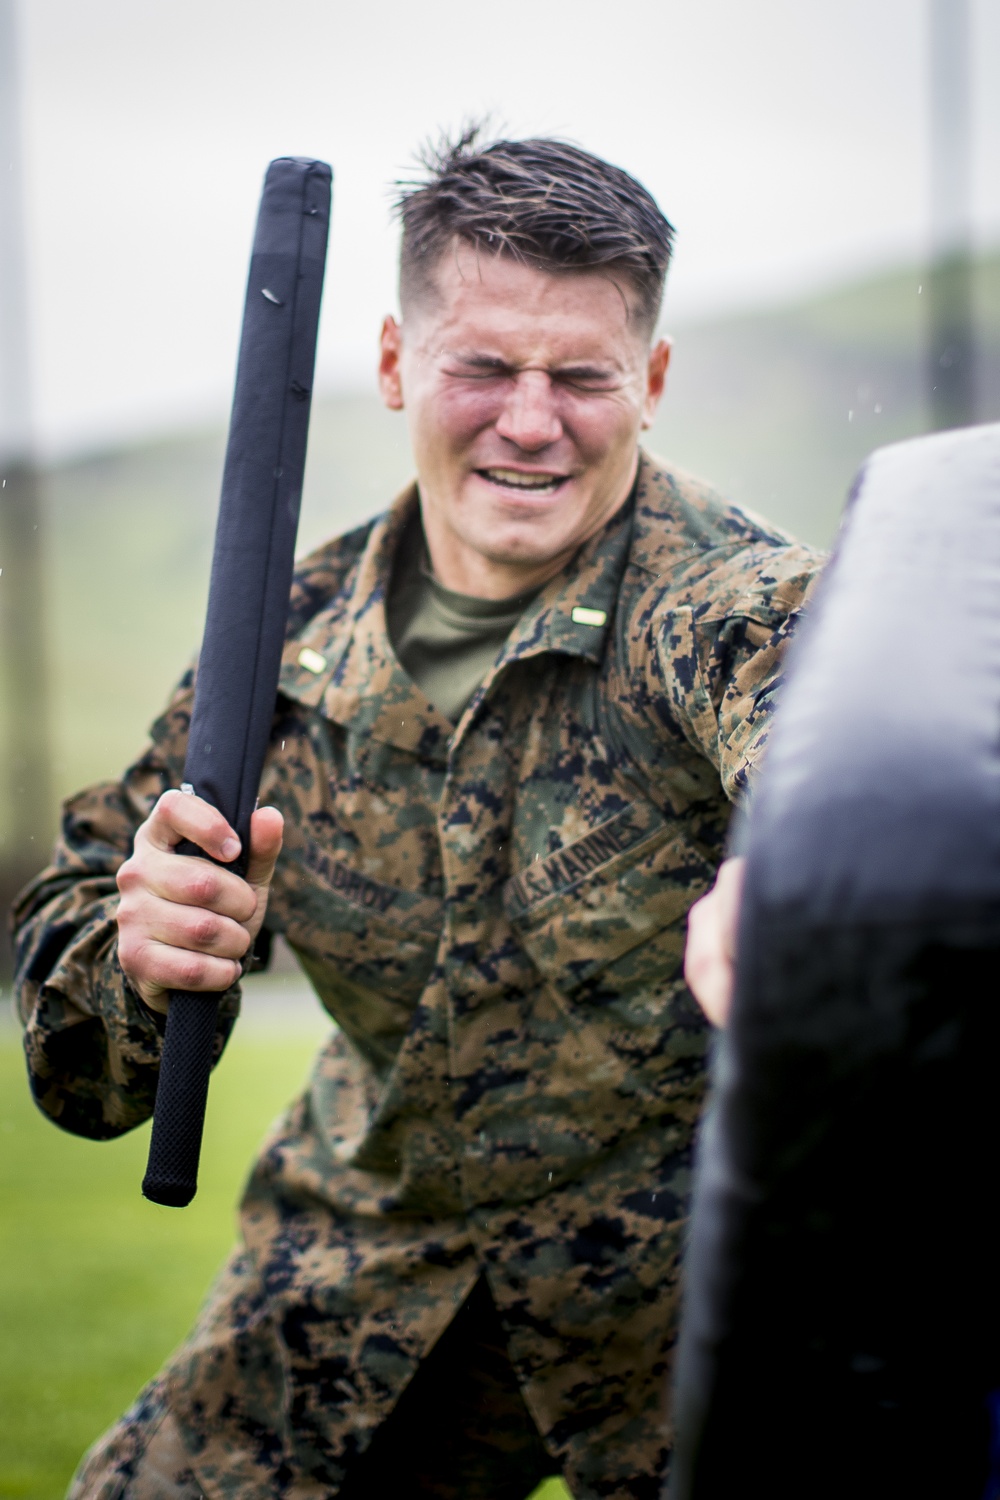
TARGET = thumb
x,y
266,830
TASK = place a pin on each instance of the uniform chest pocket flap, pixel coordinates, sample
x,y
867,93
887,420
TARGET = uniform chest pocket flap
x,y
380,936
621,893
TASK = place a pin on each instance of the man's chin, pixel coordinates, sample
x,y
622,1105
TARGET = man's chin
x,y
525,548
527,531
529,534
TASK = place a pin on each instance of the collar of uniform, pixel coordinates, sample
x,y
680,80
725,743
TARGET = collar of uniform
x,y
360,682
590,583
363,684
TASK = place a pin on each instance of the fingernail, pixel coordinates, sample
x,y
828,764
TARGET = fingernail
x,y
230,848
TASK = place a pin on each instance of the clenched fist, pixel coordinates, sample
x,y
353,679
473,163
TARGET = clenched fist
x,y
183,923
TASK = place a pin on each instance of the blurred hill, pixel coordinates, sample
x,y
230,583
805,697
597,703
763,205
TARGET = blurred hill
x,y
777,408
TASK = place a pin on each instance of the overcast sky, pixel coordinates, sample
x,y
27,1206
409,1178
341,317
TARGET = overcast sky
x,y
786,139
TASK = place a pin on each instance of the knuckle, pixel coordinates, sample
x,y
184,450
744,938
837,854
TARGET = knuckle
x,y
128,950
202,885
129,911
157,967
204,930
189,971
167,806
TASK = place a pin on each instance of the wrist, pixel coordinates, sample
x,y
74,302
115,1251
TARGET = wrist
x,y
152,1013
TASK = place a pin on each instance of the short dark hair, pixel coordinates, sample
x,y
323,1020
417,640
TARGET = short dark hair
x,y
543,202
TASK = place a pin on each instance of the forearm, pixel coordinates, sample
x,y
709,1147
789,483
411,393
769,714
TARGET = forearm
x,y
92,1047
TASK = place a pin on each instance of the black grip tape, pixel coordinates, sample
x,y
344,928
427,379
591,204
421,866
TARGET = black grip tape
x,y
179,1118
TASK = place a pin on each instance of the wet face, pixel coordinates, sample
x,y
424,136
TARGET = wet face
x,y
525,394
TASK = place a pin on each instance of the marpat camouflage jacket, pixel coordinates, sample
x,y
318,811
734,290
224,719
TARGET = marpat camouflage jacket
x,y
493,913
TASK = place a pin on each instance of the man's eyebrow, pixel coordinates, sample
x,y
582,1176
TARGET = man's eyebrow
x,y
586,372
493,362
481,361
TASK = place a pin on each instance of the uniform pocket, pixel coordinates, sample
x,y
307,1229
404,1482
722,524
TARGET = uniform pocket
x,y
611,944
380,937
580,916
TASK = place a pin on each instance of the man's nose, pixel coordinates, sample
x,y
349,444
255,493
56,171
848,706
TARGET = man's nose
x,y
529,417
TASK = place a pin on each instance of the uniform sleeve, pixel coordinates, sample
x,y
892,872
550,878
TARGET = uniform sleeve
x,y
92,1047
718,659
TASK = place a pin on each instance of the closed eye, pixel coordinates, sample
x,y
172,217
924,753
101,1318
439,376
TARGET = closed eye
x,y
587,379
577,377
477,368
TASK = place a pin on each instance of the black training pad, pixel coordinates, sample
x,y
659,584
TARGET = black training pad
x,y
841,1334
248,596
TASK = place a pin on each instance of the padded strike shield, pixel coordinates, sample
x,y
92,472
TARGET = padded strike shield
x,y
841,1332
237,679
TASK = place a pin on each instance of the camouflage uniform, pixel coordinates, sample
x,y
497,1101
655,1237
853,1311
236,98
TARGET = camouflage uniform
x,y
494,915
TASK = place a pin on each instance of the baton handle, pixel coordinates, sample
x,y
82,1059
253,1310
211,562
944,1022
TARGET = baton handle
x,y
181,1092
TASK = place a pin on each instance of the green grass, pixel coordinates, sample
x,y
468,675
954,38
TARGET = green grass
x,y
97,1285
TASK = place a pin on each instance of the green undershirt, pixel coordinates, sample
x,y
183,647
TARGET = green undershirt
x,y
445,641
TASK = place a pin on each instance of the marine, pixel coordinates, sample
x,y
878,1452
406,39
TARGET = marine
x,y
515,713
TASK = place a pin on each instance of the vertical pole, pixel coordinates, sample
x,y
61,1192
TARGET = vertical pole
x,y
25,802
951,344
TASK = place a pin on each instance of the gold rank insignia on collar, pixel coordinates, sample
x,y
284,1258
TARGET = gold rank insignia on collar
x,y
580,615
311,660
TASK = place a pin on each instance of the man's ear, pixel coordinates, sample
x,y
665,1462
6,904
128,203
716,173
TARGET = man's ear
x,y
390,380
656,379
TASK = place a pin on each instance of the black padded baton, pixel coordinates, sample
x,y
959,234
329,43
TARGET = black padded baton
x,y
248,598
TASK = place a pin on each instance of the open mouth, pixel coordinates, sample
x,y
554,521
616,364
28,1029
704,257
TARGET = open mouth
x,y
525,484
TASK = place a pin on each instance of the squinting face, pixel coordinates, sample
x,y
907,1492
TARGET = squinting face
x,y
525,394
